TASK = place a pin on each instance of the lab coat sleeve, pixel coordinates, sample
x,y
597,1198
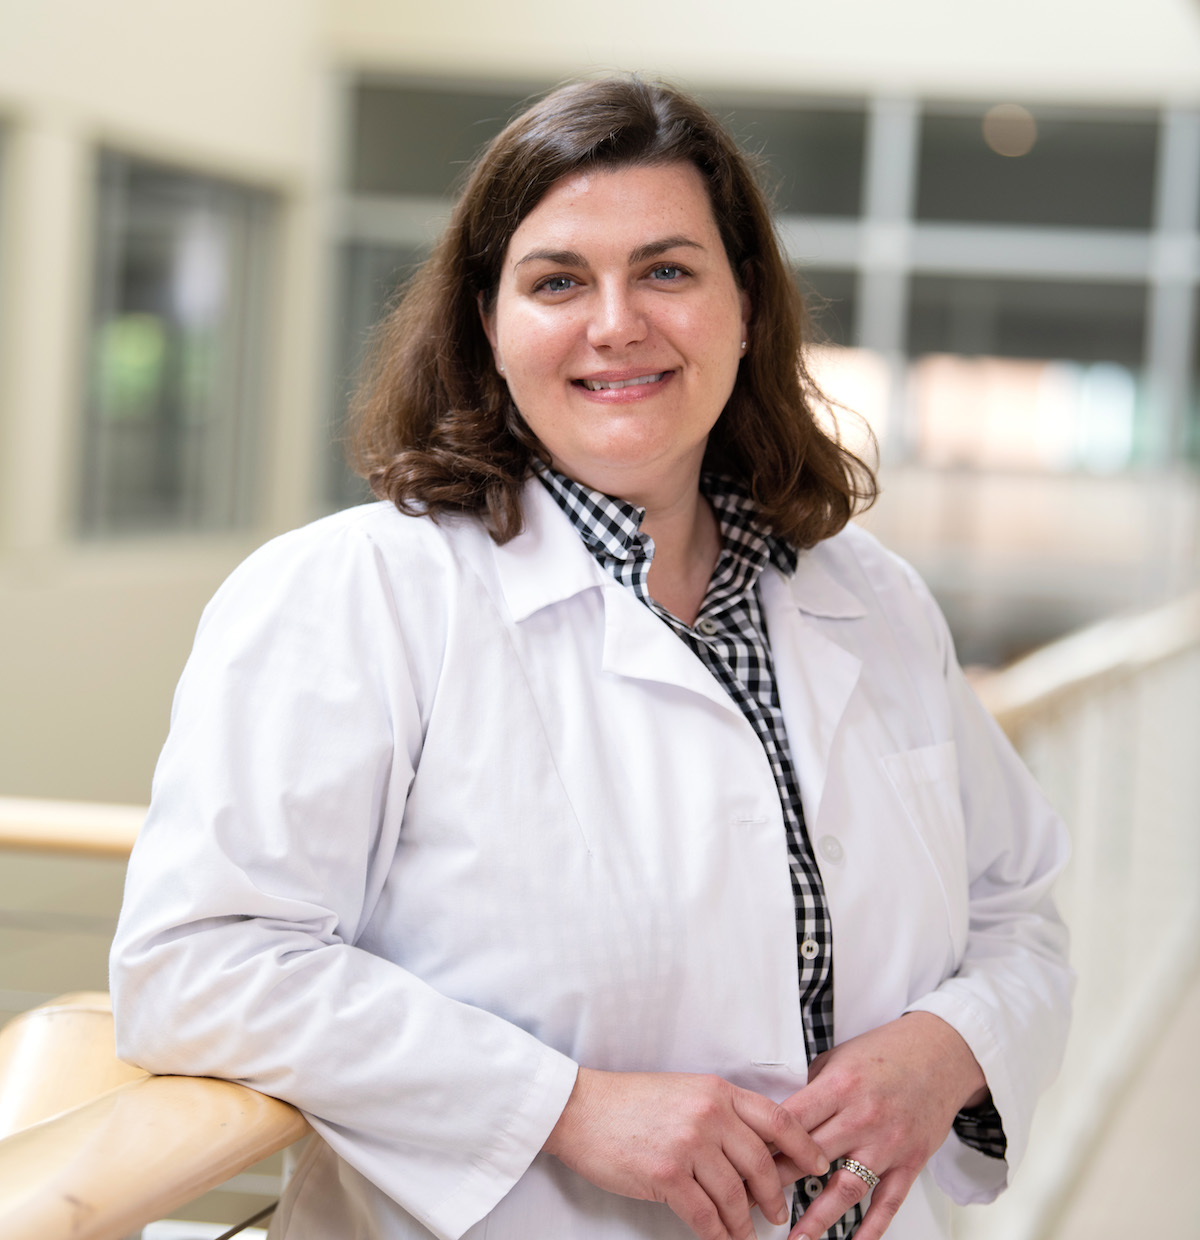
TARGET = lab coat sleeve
x,y
1010,996
275,814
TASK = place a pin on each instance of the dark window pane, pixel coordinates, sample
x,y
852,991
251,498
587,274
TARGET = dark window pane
x,y
815,157
1027,318
1087,173
831,299
176,349
415,140
1028,375
369,278
1191,426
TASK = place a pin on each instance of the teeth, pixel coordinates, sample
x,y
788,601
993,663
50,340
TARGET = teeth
x,y
599,385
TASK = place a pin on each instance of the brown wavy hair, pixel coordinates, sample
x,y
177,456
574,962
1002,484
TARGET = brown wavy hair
x,y
434,428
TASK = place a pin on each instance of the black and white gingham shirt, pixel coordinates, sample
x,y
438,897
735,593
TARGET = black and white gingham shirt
x,y
730,639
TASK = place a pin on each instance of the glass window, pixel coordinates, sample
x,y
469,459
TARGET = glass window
x,y
176,349
1027,374
371,276
1191,424
1087,322
408,142
1014,165
815,155
418,140
830,296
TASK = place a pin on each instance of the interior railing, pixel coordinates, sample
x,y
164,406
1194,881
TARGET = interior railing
x,y
1108,720
77,827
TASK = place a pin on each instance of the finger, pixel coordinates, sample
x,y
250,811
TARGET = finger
x,y
753,1162
814,1105
724,1188
787,1170
843,1192
886,1198
694,1206
776,1125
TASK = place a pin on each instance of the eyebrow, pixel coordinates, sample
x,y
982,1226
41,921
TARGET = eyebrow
x,y
654,248
572,258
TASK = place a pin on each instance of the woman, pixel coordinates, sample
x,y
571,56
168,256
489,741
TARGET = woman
x,y
598,837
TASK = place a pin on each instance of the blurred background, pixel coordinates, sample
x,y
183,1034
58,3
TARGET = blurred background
x,y
994,210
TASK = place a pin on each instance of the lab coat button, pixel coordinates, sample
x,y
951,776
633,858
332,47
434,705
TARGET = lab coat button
x,y
831,849
812,1186
706,627
810,949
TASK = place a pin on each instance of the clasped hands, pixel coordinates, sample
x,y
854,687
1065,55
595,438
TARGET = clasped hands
x,y
712,1151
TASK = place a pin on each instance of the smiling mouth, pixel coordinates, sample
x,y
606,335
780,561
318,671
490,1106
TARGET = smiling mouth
x,y
605,385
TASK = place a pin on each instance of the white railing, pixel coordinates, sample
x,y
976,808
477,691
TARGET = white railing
x,y
1109,722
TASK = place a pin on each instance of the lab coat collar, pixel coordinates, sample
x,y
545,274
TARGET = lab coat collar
x,y
549,539
815,591
546,562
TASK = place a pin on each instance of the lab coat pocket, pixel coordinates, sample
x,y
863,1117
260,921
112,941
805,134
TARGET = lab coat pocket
x,y
926,782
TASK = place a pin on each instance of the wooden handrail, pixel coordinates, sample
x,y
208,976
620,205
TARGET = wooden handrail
x,y
79,827
56,1057
1102,653
107,1168
92,1148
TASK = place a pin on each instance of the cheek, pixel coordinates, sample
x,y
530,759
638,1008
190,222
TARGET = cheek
x,y
716,329
531,346
528,369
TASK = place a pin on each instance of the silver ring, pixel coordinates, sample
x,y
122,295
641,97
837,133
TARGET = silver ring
x,y
868,1177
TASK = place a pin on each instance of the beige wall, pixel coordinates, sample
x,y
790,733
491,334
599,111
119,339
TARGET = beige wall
x,y
92,636
219,81
1104,50
90,649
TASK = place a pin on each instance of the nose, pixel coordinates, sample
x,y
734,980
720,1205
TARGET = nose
x,y
617,319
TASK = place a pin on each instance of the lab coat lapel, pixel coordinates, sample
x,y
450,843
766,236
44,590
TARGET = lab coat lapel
x,y
547,563
639,645
816,676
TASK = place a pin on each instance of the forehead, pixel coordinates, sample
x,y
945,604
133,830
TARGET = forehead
x,y
619,207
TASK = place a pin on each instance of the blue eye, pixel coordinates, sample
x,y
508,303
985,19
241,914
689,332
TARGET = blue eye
x,y
557,284
668,271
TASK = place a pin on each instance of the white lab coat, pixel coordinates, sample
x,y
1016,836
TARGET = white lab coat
x,y
438,820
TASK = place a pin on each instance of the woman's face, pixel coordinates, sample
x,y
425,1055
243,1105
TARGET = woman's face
x,y
618,326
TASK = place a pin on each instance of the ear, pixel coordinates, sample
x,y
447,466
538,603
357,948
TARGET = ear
x,y
744,300
488,319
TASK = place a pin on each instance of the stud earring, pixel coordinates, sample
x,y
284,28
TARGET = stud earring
x,y
743,346
501,368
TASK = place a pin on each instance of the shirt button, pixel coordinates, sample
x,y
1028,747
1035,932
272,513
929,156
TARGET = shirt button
x,y
706,626
812,1186
831,849
810,949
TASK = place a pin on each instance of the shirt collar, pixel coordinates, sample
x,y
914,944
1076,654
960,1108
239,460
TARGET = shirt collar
x,y
550,537
743,530
611,527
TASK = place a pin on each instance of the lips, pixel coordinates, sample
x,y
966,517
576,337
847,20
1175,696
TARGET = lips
x,y
608,385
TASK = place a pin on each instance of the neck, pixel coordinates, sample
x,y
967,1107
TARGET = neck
x,y
687,541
